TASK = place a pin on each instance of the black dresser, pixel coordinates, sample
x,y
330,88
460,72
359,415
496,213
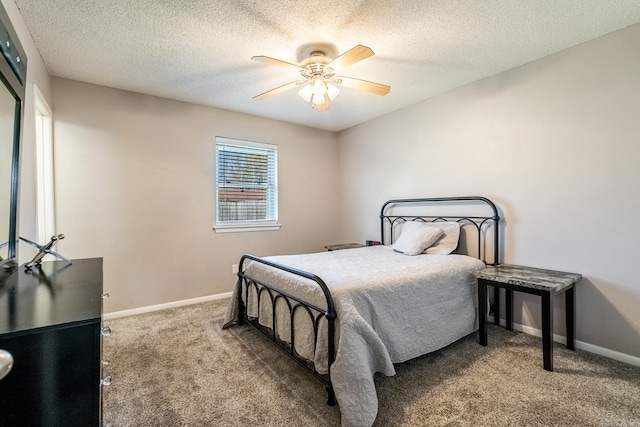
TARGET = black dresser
x,y
51,323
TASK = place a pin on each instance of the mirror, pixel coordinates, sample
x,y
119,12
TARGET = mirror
x,y
7,113
13,72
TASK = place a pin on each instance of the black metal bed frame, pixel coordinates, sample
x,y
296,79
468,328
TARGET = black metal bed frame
x,y
479,222
246,283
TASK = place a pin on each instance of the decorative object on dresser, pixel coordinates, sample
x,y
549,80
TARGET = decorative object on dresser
x,y
44,251
296,300
51,323
536,281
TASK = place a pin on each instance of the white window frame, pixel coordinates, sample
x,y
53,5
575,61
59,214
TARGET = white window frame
x,y
249,225
45,197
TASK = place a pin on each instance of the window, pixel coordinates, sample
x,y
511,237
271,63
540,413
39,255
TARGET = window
x,y
246,186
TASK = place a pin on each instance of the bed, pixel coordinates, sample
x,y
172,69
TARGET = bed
x,y
347,315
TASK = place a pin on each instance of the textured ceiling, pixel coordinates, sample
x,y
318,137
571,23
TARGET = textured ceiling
x,y
199,51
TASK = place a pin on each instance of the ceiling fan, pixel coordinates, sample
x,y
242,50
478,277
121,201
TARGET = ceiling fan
x,y
319,83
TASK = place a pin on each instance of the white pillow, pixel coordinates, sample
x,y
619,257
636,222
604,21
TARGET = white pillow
x,y
449,240
415,237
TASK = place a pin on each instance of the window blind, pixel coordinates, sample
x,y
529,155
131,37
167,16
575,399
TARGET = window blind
x,y
246,182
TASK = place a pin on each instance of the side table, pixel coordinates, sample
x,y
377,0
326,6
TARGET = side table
x,y
340,246
536,281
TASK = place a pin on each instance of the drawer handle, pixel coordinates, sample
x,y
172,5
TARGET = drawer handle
x,y
106,381
6,363
106,331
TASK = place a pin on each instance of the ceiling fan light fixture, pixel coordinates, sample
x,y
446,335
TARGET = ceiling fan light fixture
x,y
306,93
332,91
323,106
318,100
319,92
319,84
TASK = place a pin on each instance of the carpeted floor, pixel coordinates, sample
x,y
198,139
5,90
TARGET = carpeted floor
x,y
178,368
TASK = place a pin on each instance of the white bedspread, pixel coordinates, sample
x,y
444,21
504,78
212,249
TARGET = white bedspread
x,y
391,308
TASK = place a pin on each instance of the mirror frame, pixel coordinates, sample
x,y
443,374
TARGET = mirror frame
x,y
13,75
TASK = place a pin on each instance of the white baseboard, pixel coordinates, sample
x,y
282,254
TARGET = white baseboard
x,y
581,345
612,354
151,308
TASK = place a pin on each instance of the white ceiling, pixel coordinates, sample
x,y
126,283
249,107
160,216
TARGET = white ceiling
x,y
199,51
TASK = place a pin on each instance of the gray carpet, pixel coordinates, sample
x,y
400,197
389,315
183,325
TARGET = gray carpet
x,y
178,368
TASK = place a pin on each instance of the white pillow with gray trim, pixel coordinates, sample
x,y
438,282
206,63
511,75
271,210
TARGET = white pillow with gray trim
x,y
448,242
416,236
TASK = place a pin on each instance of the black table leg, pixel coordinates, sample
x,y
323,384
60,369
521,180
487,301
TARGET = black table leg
x,y
482,311
547,330
496,305
570,311
508,302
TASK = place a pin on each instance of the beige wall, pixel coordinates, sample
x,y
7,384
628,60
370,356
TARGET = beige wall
x,y
556,144
36,74
135,185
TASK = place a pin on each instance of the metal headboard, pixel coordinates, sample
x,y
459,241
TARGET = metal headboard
x,y
483,224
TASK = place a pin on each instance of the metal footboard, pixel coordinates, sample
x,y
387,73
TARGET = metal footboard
x,y
294,305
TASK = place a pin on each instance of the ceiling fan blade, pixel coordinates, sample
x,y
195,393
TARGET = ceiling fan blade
x,y
278,90
274,61
377,88
350,57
